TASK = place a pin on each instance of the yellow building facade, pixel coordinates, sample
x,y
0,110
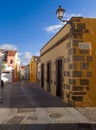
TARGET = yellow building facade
x,y
33,69
68,63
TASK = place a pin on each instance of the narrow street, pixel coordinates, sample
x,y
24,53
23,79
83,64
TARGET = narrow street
x,y
26,106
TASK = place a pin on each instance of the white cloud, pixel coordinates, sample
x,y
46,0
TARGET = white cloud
x,y
57,27
68,16
20,54
27,55
25,58
8,46
24,63
37,54
54,28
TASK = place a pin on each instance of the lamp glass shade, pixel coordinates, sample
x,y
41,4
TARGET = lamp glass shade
x,y
60,12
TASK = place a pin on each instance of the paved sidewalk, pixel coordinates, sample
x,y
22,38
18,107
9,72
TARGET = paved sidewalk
x,y
88,112
28,107
4,105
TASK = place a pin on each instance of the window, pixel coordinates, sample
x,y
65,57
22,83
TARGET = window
x,y
11,61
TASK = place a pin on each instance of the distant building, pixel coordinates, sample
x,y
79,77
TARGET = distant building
x,y
5,71
12,58
27,72
34,69
68,63
4,54
14,62
22,72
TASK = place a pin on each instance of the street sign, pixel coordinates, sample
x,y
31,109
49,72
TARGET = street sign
x,y
84,45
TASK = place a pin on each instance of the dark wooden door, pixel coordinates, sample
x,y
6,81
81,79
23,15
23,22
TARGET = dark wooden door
x,y
42,75
59,78
49,76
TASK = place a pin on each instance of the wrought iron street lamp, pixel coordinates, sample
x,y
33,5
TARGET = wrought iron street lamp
x,y
60,13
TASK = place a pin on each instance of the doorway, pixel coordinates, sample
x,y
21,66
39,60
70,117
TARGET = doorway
x,y
59,78
42,75
49,76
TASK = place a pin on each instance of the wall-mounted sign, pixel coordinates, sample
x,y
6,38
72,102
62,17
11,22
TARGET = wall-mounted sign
x,y
84,45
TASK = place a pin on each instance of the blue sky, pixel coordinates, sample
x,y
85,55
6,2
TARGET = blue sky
x,y
27,25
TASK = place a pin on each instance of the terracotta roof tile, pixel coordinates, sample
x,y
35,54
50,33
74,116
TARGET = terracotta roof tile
x,y
23,67
12,52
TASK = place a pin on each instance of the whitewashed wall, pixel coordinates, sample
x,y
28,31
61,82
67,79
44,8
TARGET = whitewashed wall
x,y
6,76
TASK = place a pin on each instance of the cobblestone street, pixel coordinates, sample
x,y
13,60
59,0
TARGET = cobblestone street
x,y
26,106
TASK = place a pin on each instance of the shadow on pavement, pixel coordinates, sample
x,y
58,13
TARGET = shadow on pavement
x,y
29,95
67,126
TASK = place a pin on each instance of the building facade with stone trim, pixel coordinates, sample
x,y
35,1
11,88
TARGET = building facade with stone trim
x,y
68,63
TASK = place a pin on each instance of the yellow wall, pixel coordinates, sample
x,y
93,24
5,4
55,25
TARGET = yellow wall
x,y
91,38
34,68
